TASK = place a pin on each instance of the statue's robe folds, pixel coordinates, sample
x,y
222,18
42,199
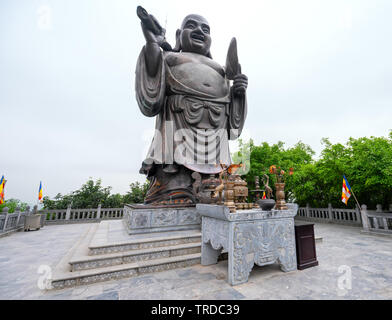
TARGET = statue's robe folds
x,y
196,113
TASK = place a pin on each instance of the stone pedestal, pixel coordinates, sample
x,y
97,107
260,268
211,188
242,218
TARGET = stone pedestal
x,y
32,222
250,237
146,219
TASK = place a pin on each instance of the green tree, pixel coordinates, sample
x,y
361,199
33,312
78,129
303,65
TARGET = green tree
x,y
59,202
12,204
113,201
265,155
367,165
92,193
137,193
369,170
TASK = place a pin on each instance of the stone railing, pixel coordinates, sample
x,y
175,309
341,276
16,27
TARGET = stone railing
x,y
331,215
70,215
377,221
10,222
372,221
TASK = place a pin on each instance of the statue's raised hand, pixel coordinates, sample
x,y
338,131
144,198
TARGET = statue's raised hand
x,y
158,36
155,37
240,84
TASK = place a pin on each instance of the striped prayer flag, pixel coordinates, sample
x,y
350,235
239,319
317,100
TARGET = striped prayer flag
x,y
40,191
2,185
346,190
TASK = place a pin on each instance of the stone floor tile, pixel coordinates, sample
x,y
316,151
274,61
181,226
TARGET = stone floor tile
x,y
368,256
110,295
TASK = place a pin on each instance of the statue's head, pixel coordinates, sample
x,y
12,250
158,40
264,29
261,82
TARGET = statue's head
x,y
194,35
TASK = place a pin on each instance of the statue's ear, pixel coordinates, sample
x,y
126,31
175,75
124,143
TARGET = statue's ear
x,y
177,48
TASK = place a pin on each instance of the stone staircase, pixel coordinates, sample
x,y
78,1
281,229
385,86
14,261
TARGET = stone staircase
x,y
94,258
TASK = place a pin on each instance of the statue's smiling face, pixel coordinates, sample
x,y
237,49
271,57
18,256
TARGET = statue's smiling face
x,y
195,35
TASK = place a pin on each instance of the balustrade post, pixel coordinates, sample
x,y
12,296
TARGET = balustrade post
x,y
17,210
385,223
5,211
357,214
330,216
307,213
99,211
375,221
364,217
379,220
68,213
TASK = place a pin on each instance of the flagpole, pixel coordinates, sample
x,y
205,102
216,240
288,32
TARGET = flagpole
x,y
355,198
39,189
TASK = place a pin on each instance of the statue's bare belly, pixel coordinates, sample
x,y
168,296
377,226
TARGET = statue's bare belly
x,y
202,78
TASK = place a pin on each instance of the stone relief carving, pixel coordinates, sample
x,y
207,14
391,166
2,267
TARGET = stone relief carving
x,y
140,219
262,243
188,217
252,238
161,219
164,218
215,232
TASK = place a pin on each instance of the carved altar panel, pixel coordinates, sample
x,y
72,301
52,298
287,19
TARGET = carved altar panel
x,y
250,237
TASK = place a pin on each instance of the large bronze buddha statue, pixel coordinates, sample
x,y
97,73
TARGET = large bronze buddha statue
x,y
197,109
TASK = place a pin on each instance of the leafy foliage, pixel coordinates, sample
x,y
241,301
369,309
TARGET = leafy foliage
x,y
91,194
265,155
12,204
366,162
137,193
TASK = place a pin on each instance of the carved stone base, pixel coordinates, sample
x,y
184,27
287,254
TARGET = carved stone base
x,y
250,237
145,219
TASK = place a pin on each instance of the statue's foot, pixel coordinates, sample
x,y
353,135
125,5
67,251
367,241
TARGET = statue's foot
x,y
171,184
170,197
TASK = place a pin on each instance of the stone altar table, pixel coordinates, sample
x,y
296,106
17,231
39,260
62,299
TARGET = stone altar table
x,y
250,237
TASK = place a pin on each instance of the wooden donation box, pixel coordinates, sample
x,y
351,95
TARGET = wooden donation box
x,y
305,245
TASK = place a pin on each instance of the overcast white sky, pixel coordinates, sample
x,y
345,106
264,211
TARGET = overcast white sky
x,y
67,106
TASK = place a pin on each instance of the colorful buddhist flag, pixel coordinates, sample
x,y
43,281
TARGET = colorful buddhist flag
x,y
346,190
40,191
2,184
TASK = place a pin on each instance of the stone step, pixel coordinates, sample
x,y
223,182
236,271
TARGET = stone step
x,y
84,277
111,259
97,248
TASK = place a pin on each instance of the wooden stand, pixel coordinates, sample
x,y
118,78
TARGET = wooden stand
x,y
305,245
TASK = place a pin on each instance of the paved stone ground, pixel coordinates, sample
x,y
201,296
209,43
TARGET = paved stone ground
x,y
369,258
